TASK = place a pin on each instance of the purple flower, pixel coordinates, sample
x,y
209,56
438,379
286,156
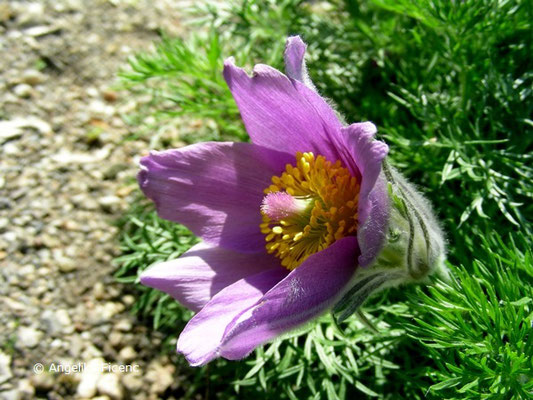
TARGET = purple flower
x,y
286,220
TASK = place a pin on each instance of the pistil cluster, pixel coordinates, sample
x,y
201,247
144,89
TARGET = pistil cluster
x,y
308,207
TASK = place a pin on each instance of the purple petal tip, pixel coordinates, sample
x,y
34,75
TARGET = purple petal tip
x,y
295,40
149,277
294,58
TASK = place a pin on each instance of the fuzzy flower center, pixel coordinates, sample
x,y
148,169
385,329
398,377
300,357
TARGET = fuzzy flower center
x,y
307,208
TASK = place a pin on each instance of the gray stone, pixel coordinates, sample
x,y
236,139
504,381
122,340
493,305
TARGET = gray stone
x,y
109,203
127,354
123,325
41,30
76,346
132,382
14,128
161,377
26,389
5,368
44,381
109,385
28,337
57,322
99,291
23,90
115,338
6,12
12,394
32,77
128,299
70,157
89,378
30,13
91,352
103,313
65,264
99,109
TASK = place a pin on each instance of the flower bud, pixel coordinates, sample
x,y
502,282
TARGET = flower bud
x,y
413,247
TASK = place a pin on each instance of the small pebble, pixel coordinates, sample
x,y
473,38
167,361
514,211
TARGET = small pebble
x,y
23,90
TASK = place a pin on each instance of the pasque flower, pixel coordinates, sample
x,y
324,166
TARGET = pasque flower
x,y
304,218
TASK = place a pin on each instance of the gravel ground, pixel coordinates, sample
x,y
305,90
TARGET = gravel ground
x,y
65,175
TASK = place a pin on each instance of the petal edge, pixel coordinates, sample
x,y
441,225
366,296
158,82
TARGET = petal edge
x,y
304,294
215,189
203,271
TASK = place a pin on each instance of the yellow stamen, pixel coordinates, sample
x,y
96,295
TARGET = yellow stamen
x,y
331,195
277,229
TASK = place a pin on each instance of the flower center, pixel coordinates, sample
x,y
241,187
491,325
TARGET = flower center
x,y
308,207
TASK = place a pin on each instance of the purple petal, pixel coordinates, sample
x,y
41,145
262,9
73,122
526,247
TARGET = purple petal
x,y
304,294
368,155
295,62
280,113
203,271
201,338
294,58
371,233
215,189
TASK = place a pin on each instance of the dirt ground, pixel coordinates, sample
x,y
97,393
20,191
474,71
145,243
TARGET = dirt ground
x,y
65,175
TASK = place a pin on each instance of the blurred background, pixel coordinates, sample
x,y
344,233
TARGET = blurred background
x,y
87,88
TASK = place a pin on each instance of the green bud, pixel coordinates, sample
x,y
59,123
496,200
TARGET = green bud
x,y
413,249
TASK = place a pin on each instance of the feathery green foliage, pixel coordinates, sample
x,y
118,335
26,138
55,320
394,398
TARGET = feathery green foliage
x,y
449,86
